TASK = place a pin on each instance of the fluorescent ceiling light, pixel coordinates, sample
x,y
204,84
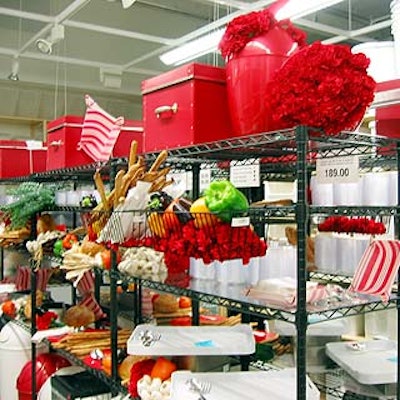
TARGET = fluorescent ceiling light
x,y
299,8
194,49
209,43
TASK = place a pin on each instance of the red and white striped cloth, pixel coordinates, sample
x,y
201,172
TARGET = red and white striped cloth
x,y
86,284
377,269
99,132
91,303
23,278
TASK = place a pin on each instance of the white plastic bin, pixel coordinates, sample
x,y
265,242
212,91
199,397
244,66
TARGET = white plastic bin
x,y
15,352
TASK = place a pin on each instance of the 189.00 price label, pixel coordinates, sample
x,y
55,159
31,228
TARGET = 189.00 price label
x,y
338,169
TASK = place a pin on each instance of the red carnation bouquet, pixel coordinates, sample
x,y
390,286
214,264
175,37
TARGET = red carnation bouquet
x,y
321,86
342,224
244,28
219,242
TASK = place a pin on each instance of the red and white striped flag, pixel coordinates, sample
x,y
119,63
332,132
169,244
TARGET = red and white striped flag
x,y
23,278
86,284
99,132
91,303
377,268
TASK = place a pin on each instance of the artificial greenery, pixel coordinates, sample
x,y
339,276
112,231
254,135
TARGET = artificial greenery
x,y
31,198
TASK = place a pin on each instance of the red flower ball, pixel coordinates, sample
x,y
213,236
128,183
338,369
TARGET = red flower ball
x,y
244,28
321,86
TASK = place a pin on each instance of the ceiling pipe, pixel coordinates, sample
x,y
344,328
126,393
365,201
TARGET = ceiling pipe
x,y
25,15
118,32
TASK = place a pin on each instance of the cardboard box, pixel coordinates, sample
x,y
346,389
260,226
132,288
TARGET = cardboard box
x,y
185,106
64,134
19,158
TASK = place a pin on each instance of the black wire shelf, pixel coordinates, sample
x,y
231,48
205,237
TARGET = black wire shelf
x,y
276,151
234,298
114,385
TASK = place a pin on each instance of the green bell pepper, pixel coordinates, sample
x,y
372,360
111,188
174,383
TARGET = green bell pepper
x,y
58,248
224,200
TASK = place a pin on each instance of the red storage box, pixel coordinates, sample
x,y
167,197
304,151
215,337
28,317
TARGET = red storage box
x,y
17,159
388,118
185,106
64,134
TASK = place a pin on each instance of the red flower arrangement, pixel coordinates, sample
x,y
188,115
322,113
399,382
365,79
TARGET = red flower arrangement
x,y
342,224
219,242
321,86
244,28
46,320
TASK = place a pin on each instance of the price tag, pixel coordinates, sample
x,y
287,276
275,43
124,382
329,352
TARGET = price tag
x,y
338,169
205,179
245,175
240,222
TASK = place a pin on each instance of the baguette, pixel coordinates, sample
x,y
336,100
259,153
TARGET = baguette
x,y
101,189
132,153
161,158
118,188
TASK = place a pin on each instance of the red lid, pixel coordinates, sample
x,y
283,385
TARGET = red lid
x,y
46,365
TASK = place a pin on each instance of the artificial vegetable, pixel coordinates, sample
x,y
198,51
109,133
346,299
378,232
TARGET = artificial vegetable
x,y
156,224
138,370
163,368
9,309
159,201
69,240
177,213
223,199
58,248
201,214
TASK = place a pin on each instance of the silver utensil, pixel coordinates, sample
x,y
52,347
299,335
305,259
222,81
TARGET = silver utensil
x,y
148,337
200,387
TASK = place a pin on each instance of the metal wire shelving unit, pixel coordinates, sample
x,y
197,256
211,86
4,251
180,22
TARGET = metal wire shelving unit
x,y
291,153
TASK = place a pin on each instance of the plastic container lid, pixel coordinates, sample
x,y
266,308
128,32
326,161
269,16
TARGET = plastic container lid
x,y
46,365
14,337
373,362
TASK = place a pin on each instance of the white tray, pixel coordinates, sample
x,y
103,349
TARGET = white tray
x,y
375,363
276,385
7,287
194,340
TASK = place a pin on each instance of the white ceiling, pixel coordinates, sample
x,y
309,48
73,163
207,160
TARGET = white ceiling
x,y
101,34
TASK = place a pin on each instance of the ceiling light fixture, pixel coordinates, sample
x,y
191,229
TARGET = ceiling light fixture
x,y
14,70
127,3
45,46
209,43
299,8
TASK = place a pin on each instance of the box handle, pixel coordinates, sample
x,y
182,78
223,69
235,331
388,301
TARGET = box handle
x,y
166,111
56,143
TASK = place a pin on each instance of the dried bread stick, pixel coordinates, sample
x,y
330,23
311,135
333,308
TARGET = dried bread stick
x,y
132,153
118,187
101,189
161,158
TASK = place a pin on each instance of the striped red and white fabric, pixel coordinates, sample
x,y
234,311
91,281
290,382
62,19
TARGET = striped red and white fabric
x,y
91,303
99,132
377,269
86,284
23,278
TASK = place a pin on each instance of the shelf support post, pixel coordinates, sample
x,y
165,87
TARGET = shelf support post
x,y
301,221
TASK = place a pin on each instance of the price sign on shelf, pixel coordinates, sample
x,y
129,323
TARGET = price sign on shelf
x,y
338,169
245,175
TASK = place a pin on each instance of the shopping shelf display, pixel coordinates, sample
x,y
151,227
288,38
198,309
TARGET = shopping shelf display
x,y
301,301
